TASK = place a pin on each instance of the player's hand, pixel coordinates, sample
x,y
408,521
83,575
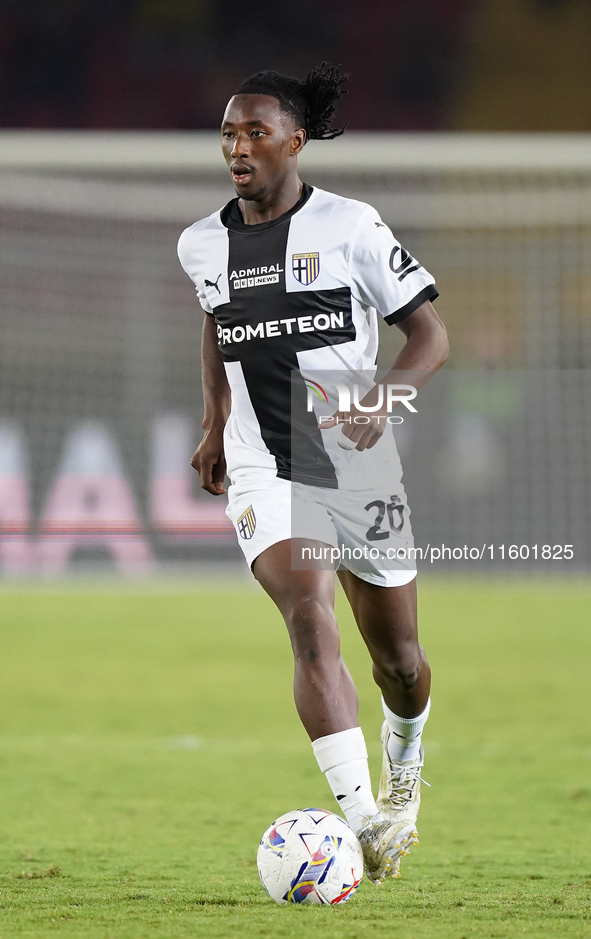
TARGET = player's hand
x,y
360,434
360,430
210,463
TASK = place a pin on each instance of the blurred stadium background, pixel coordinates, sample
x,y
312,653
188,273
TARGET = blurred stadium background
x,y
468,130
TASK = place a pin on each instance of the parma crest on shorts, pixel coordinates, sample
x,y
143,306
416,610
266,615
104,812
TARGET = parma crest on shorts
x,y
246,524
306,267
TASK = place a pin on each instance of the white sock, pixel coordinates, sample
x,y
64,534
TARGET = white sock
x,y
404,742
342,758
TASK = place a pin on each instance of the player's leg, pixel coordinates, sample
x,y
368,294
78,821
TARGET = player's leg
x,y
387,620
326,700
325,696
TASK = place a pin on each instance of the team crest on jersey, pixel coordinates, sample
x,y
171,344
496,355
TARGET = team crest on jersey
x,y
306,267
246,524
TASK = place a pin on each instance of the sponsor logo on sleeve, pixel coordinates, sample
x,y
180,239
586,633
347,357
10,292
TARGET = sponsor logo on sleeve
x,y
402,263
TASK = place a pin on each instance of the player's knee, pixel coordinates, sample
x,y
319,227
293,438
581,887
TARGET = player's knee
x,y
403,669
307,614
312,629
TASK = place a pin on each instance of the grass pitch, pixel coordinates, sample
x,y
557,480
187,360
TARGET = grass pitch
x,y
147,739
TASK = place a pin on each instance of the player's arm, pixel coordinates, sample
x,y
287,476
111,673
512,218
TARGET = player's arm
x,y
426,348
425,351
208,458
385,277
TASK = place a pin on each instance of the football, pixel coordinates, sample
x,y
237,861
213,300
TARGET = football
x,y
310,856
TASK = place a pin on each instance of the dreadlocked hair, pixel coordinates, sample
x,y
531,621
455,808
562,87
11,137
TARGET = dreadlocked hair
x,y
311,102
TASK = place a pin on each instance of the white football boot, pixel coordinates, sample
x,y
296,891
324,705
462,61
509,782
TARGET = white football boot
x,y
383,843
399,795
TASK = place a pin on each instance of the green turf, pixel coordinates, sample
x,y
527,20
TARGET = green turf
x,y
146,740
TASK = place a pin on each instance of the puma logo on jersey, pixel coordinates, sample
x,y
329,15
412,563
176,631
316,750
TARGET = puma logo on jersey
x,y
210,283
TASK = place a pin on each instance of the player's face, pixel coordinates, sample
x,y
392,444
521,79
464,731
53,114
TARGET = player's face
x,y
260,143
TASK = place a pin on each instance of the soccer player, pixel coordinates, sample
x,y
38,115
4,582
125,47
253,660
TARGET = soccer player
x,y
292,280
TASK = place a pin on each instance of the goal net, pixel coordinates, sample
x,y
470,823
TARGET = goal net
x,y
100,400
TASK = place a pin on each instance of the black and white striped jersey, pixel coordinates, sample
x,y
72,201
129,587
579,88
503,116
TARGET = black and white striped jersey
x,y
292,297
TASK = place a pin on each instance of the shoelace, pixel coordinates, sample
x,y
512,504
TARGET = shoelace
x,y
403,781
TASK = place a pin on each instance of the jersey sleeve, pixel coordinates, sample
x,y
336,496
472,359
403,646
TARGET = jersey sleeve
x,y
188,265
383,274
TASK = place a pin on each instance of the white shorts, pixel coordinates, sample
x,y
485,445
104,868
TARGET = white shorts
x,y
366,531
